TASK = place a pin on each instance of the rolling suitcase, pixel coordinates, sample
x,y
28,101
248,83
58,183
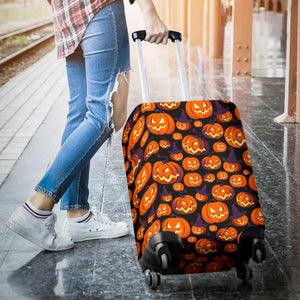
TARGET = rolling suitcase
x,y
194,201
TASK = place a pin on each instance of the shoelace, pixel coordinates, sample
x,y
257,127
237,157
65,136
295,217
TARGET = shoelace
x,y
49,223
103,218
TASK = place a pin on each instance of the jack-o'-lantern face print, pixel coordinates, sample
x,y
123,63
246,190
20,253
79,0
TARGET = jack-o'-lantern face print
x,y
167,173
152,148
183,125
192,179
226,117
235,137
137,131
199,109
213,131
195,145
184,205
143,177
178,225
215,212
206,246
168,105
211,162
160,123
148,198
191,163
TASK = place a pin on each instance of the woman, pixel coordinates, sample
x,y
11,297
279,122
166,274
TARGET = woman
x,y
92,36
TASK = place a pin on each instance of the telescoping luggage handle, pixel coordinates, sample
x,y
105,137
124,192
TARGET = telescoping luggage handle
x,y
175,37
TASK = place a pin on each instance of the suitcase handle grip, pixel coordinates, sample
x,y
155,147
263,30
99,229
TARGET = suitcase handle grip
x,y
141,34
176,37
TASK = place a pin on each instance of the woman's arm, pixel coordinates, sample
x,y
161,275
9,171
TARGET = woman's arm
x,y
156,30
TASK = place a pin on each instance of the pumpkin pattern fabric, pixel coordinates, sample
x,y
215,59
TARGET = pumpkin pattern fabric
x,y
189,172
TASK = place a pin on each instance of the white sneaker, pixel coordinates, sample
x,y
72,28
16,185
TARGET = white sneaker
x,y
40,232
96,226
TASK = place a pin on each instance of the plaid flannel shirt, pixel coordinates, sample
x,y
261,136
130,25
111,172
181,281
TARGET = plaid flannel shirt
x,y
70,19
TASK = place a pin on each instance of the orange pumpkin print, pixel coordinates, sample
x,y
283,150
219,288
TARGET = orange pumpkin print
x,y
165,144
191,163
215,265
232,167
184,205
144,138
246,199
183,125
198,230
219,147
196,266
133,215
238,180
226,117
167,173
147,107
148,198
160,123
177,136
143,177
152,148
195,145
222,175
126,132
198,124
209,177
163,210
136,132
168,105
213,131
152,230
235,137
241,221
252,183
222,192
230,248
215,212
257,217
180,226
206,246
227,234
192,179
212,162
199,109
178,187
246,158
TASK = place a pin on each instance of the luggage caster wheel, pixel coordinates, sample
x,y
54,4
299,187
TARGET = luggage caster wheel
x,y
258,256
258,251
244,272
152,279
164,261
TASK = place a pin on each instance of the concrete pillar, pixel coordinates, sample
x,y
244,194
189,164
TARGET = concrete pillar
x,y
206,8
242,37
298,71
214,29
292,84
195,22
183,10
275,6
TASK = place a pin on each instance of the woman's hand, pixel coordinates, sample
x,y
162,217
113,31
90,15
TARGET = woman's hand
x,y
156,30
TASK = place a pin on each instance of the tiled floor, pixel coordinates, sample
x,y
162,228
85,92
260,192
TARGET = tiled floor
x,y
109,269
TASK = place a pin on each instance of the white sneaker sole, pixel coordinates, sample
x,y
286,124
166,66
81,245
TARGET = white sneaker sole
x,y
17,228
98,235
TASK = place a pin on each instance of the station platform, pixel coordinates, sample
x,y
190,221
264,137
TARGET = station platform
x,y
33,108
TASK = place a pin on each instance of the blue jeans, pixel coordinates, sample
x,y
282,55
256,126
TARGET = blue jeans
x,y
92,71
